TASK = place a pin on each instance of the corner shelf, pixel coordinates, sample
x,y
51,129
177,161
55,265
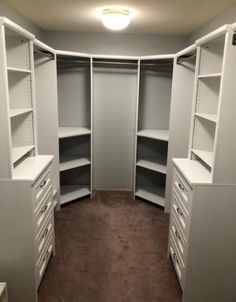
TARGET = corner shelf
x,y
158,165
162,135
14,69
16,112
207,116
65,132
67,163
153,194
205,156
72,192
19,152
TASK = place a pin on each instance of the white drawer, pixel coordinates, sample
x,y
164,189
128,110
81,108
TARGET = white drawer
x,y
41,186
183,189
178,264
43,209
181,214
178,237
42,237
43,261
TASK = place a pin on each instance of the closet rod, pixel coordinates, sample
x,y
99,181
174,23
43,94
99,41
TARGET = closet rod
x,y
115,63
185,58
45,53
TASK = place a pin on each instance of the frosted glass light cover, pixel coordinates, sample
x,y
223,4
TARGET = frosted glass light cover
x,y
115,19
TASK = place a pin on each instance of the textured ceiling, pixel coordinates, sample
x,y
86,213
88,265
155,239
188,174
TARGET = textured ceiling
x,y
150,16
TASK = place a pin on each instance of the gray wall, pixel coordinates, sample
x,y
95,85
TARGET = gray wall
x,y
228,17
114,44
13,15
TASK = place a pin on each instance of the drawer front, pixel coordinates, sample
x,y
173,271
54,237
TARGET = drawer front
x,y
44,208
178,237
43,261
42,238
42,185
181,214
179,267
183,189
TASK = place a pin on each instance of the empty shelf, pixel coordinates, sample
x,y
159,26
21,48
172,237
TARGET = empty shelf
x,y
16,112
205,156
72,131
72,192
162,135
210,75
19,152
207,116
18,69
153,194
158,165
67,163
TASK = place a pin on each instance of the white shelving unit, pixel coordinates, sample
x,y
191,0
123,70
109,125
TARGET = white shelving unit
x,y
75,125
153,110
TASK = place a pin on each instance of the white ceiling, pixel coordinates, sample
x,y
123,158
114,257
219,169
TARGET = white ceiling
x,y
150,16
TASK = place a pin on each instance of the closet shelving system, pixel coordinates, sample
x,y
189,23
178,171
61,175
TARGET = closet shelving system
x,y
74,74
152,125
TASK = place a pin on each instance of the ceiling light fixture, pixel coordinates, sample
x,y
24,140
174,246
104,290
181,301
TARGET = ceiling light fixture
x,y
115,18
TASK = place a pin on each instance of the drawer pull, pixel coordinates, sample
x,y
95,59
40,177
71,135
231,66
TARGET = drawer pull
x,y
179,211
45,233
46,256
177,235
175,258
44,209
181,187
42,185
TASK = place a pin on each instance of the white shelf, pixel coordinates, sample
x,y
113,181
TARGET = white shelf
x,y
207,116
18,70
205,156
17,112
210,75
19,152
162,135
72,192
72,131
67,163
158,165
153,194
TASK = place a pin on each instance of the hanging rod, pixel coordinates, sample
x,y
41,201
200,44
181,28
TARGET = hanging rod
x,y
185,58
45,53
116,63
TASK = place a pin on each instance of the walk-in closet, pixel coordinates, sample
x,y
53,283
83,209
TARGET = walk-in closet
x,y
117,156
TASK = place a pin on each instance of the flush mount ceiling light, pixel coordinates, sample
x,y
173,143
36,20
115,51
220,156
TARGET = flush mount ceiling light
x,y
115,18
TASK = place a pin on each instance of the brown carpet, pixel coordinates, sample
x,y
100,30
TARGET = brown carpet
x,y
110,249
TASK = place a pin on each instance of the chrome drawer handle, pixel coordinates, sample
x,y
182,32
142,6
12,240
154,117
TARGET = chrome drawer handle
x,y
179,211
45,233
175,258
46,256
44,209
177,235
181,187
42,185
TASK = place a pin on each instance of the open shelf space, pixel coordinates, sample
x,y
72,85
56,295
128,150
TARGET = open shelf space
x,y
13,69
65,132
153,194
73,192
162,135
19,152
158,165
17,111
67,163
205,156
207,116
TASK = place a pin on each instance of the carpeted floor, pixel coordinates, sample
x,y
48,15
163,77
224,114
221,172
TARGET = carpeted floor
x,y
110,249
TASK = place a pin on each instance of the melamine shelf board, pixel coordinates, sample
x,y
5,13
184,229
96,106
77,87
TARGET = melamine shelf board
x,y
210,75
72,192
65,132
207,116
18,69
17,112
67,163
153,194
205,156
194,172
158,165
162,135
32,167
19,152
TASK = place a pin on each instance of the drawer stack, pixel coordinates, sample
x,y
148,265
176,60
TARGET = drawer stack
x,y
43,222
179,224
